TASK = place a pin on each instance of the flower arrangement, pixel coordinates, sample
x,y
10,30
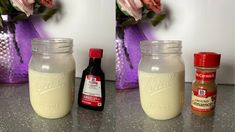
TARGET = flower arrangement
x,y
22,9
16,33
130,12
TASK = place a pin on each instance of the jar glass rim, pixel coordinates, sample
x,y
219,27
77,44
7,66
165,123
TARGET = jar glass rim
x,y
51,40
161,47
52,45
161,42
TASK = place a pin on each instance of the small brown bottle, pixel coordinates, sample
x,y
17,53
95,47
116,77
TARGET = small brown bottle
x,y
92,87
204,87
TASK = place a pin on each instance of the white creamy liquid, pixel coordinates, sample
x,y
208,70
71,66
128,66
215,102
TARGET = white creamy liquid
x,y
51,94
161,94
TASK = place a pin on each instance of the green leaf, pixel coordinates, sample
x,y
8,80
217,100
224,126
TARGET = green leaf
x,y
4,3
1,24
38,8
129,22
5,7
20,16
47,14
158,19
150,14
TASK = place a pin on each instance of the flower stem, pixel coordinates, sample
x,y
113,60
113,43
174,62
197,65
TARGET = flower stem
x,y
17,48
120,33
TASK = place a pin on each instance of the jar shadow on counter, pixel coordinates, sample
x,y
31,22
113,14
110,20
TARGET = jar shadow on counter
x,y
51,125
172,125
200,123
88,120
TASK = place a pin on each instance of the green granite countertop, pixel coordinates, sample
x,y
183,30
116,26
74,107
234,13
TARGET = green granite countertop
x,y
122,113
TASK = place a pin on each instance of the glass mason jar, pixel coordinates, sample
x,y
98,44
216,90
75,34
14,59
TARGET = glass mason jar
x,y
161,79
52,77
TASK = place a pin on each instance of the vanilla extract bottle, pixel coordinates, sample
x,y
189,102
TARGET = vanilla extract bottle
x,y
92,87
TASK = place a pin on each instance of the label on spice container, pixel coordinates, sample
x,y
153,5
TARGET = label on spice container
x,y
91,94
202,100
205,76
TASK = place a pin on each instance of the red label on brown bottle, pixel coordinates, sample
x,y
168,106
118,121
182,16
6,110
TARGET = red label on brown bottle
x,y
205,76
91,94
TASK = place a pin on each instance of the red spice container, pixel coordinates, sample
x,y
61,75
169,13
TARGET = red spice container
x,y
204,87
92,87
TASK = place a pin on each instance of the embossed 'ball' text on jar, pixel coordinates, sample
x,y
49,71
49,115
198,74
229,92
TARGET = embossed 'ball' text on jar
x,y
52,77
161,78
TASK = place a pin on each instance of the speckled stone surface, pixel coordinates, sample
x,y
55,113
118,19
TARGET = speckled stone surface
x,y
122,113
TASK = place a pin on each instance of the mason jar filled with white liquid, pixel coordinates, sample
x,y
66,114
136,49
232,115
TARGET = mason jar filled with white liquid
x,y
161,79
52,77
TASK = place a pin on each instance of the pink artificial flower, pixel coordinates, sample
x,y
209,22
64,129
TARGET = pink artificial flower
x,y
25,6
154,5
47,3
132,7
